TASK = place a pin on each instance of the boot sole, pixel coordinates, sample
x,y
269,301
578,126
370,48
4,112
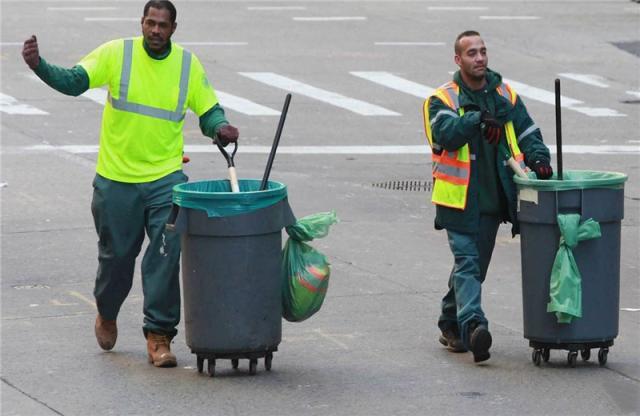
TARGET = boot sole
x,y
166,363
450,348
480,343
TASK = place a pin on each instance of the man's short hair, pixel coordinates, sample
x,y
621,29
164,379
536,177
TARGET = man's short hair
x,y
456,46
161,4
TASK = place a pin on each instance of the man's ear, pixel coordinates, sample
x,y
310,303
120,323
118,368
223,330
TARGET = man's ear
x,y
456,59
173,29
142,20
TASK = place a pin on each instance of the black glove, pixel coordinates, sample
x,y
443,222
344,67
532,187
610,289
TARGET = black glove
x,y
543,169
227,134
491,128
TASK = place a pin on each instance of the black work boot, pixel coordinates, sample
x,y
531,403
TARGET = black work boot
x,y
479,342
450,338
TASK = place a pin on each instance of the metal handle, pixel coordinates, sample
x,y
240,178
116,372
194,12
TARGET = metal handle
x,y
558,130
276,140
233,178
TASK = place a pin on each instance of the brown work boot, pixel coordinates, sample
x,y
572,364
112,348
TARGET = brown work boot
x,y
158,347
106,332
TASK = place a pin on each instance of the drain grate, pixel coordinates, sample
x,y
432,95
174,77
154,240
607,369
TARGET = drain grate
x,y
407,185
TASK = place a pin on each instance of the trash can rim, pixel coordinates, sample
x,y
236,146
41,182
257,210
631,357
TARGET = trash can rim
x,y
605,179
180,188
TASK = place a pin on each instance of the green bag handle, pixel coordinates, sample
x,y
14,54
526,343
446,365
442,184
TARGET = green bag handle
x,y
565,285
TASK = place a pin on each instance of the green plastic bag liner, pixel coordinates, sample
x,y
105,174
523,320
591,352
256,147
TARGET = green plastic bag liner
x,y
215,197
574,179
305,270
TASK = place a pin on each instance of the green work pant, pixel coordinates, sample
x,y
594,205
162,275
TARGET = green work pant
x,y
472,255
122,213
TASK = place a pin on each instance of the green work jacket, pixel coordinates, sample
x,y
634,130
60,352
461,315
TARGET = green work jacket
x,y
451,133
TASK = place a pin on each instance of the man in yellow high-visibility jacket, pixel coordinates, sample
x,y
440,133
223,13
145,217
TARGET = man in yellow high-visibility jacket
x,y
474,123
151,83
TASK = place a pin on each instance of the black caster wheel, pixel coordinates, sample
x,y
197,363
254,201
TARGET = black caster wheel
x,y
267,361
536,357
200,362
602,355
546,353
253,364
234,363
585,354
212,367
572,358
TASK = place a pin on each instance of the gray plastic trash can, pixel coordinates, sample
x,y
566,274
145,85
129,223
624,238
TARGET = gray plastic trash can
x,y
231,269
596,195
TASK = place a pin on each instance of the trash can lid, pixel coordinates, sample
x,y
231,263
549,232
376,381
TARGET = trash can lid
x,y
573,179
215,197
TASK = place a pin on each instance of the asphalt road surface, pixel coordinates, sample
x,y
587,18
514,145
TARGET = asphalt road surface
x,y
358,72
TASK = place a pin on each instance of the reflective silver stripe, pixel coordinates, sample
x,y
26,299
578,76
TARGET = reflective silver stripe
x,y
472,156
123,104
505,92
453,94
436,147
443,113
452,171
527,132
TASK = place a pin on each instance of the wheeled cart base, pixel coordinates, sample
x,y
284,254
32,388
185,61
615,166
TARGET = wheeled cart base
x,y
235,360
542,351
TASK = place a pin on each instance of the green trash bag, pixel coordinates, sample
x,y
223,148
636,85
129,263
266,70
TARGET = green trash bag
x,y
565,288
305,270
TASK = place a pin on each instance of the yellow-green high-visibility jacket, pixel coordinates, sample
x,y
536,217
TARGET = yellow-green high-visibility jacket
x,y
452,169
141,137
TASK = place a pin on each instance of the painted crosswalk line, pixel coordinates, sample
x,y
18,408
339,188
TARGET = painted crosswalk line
x,y
10,105
329,150
244,106
228,101
548,97
330,97
589,79
397,83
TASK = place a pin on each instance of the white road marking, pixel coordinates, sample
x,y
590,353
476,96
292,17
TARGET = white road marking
x,y
330,19
590,79
409,43
397,83
328,150
10,105
330,97
509,17
456,8
548,97
212,43
634,93
81,8
276,8
111,19
630,309
97,95
11,43
244,106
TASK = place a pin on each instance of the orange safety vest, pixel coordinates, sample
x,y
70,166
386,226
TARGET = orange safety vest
x,y
452,170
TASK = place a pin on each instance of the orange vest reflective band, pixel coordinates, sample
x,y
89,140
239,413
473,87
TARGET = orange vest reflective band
x,y
452,170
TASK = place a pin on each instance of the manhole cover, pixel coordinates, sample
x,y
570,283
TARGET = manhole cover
x,y
406,185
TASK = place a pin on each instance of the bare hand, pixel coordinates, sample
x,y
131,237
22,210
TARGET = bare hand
x,y
30,52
